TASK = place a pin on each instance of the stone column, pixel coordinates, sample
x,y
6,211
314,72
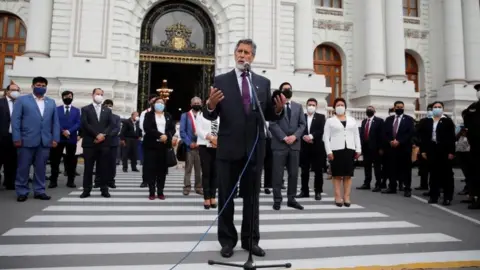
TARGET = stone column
x,y
395,40
471,23
374,39
39,28
304,36
453,40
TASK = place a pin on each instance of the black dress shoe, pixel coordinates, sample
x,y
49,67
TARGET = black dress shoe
x,y
302,195
421,188
432,201
85,194
447,202
135,170
389,191
71,185
226,252
318,196
295,205
143,185
267,191
112,185
52,185
276,206
22,198
256,250
407,193
106,194
43,197
364,187
125,170
376,189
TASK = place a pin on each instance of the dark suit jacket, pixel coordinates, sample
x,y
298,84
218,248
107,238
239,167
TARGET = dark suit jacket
x,y
471,120
151,138
375,134
72,124
405,133
4,118
115,141
285,127
237,133
316,129
445,135
91,126
128,130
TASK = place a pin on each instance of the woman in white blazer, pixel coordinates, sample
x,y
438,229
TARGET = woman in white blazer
x,y
207,132
343,147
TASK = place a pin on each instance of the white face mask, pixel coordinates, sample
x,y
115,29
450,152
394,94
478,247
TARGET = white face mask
x,y
311,109
478,95
340,110
98,99
136,118
14,94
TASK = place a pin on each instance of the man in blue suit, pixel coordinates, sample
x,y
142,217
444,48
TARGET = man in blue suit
x,y
35,128
69,117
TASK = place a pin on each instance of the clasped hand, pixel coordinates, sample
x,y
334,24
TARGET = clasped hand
x,y
290,139
100,138
163,138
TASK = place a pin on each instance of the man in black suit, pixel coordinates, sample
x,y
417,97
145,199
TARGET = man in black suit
x,y
232,99
114,144
312,153
97,125
9,153
371,136
129,137
398,133
422,163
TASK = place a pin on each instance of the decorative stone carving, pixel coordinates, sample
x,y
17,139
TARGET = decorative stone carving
x,y
414,33
331,12
333,25
411,21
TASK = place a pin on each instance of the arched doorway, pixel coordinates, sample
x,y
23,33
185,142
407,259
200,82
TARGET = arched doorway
x,y
12,43
327,61
177,45
411,70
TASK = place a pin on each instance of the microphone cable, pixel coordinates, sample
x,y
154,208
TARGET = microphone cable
x,y
226,203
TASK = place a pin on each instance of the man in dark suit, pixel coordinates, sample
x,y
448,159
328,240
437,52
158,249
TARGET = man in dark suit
x,y
232,100
398,133
286,141
9,154
312,152
69,117
97,125
129,137
422,163
371,136
114,144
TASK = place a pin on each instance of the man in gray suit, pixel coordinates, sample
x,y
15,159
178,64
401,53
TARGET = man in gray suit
x,y
286,140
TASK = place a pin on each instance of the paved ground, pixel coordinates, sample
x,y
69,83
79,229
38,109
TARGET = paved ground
x,y
128,231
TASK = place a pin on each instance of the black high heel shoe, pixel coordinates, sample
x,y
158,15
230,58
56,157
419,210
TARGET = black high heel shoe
x,y
213,205
347,204
339,204
206,206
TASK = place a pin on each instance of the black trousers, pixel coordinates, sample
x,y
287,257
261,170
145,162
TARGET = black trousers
x,y
130,151
267,165
400,167
475,182
69,161
8,158
440,169
209,174
98,156
466,166
227,173
155,169
311,160
112,172
423,171
372,157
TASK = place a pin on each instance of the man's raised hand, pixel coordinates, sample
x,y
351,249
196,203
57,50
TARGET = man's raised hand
x,y
215,97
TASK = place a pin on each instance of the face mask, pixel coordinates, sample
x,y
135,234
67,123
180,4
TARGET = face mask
x,y
311,109
136,118
429,114
14,94
197,107
437,112
399,111
370,113
98,99
67,101
478,95
340,110
159,107
39,91
287,93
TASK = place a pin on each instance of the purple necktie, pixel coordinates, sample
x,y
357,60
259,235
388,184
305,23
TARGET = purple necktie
x,y
245,93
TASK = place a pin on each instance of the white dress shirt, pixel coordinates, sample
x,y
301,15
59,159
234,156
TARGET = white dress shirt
x,y
10,108
142,118
309,124
204,128
161,122
337,137
40,104
240,80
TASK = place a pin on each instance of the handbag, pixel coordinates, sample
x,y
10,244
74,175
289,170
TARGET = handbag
x,y
171,158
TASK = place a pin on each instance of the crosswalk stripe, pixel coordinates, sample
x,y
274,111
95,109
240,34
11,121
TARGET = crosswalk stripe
x,y
180,200
203,217
145,193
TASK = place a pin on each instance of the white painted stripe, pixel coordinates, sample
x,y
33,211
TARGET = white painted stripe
x,y
201,217
450,211
184,199
176,208
136,188
332,262
180,246
347,226
172,192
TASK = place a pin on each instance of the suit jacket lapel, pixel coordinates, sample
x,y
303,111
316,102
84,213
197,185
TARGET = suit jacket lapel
x,y
92,109
35,105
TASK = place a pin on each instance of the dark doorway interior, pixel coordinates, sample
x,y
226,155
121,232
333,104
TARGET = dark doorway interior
x,y
184,79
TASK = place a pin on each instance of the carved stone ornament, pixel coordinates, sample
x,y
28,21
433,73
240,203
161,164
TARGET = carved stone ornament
x,y
414,33
333,25
332,12
178,37
411,21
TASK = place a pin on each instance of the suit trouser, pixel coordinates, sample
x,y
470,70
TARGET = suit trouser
x,y
155,169
423,171
440,169
27,156
311,159
113,165
209,174
69,161
267,165
282,158
371,157
475,183
98,156
400,167
130,151
8,159
193,162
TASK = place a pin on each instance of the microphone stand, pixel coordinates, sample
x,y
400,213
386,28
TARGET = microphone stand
x,y
249,264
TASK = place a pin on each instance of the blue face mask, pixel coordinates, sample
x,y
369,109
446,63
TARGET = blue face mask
x,y
159,107
39,91
437,112
429,114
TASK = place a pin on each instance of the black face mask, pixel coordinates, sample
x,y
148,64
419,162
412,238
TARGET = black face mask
x,y
370,113
196,107
399,111
287,93
67,101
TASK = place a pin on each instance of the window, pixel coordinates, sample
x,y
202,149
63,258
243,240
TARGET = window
x,y
327,61
329,3
410,8
12,43
411,70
